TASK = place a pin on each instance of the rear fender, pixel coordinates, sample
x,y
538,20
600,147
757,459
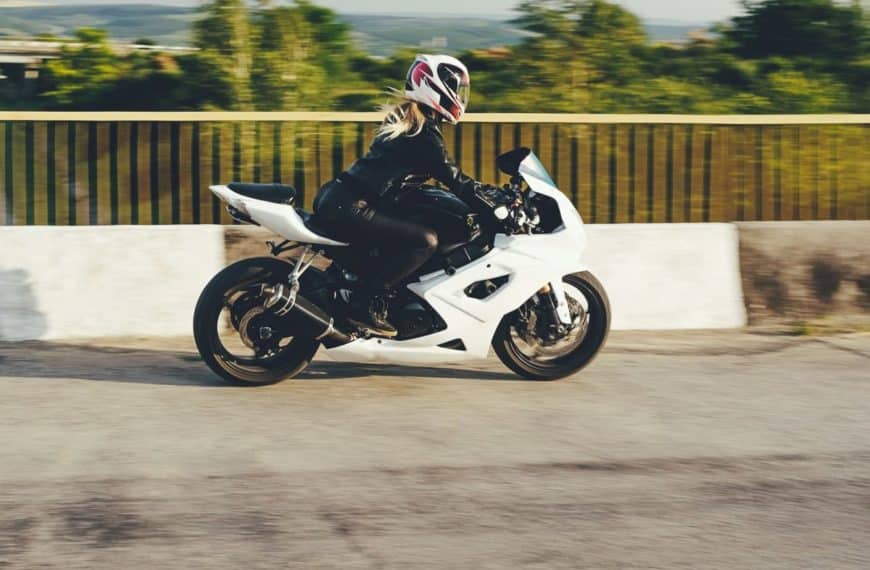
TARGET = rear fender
x,y
280,218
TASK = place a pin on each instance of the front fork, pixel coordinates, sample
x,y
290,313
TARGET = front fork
x,y
556,292
556,313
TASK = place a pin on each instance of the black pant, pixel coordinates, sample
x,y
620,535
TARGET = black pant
x,y
346,210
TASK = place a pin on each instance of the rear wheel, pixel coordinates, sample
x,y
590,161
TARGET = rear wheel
x,y
520,347
237,338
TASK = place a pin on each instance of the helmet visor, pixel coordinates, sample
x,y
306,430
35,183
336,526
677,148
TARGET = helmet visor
x,y
456,81
463,93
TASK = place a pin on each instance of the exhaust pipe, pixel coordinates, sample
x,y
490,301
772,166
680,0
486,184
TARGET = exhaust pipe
x,y
303,315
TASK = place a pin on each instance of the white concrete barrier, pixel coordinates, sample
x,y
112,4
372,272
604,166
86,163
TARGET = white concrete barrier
x,y
658,276
78,282
669,276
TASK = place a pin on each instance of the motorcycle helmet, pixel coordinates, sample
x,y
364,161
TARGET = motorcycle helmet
x,y
440,82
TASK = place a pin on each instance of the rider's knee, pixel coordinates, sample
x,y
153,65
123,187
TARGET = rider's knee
x,y
430,240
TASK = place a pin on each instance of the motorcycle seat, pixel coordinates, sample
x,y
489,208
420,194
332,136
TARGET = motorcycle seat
x,y
276,193
311,222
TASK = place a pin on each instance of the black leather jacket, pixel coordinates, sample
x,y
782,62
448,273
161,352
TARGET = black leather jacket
x,y
389,162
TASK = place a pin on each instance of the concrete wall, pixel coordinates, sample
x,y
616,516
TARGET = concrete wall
x,y
658,276
75,282
669,276
806,271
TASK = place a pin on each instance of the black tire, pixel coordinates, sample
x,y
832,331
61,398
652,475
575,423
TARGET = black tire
x,y
289,362
580,356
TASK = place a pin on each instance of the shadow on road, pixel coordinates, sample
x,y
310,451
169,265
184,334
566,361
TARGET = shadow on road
x,y
60,361
326,370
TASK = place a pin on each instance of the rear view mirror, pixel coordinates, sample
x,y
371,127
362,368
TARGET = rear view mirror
x,y
509,162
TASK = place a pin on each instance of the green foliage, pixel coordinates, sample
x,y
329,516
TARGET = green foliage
x,y
580,48
277,56
82,71
593,56
820,30
89,75
302,59
780,56
224,36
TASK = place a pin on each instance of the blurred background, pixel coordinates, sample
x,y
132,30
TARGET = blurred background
x,y
590,56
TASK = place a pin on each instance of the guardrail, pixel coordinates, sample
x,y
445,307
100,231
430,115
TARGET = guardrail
x,y
155,168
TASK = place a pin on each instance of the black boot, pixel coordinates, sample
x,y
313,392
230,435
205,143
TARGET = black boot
x,y
368,311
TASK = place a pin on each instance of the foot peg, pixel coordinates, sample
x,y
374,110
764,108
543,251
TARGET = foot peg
x,y
368,332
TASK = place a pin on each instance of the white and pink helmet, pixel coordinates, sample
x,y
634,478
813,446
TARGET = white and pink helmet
x,y
441,83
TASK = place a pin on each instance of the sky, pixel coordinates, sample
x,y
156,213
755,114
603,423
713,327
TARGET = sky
x,y
694,11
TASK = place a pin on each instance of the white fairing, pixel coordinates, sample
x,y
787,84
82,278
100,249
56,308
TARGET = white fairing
x,y
280,218
529,261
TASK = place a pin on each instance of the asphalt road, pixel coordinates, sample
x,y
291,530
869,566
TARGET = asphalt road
x,y
699,450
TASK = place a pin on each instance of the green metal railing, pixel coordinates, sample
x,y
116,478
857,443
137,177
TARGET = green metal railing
x,y
155,168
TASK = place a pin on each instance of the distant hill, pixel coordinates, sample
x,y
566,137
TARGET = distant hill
x,y
381,35
167,25
377,34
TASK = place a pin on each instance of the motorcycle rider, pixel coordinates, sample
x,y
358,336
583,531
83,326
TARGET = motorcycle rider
x,y
409,143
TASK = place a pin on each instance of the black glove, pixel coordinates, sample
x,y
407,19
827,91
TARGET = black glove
x,y
485,198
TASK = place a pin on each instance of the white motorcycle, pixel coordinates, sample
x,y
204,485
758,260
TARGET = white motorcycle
x,y
519,286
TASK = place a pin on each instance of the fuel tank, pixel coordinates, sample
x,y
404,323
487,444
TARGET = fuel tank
x,y
441,210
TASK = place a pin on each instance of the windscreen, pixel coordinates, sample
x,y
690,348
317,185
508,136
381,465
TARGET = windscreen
x,y
532,167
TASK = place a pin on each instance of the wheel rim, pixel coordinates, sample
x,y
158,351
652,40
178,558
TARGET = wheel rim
x,y
591,323
234,325
247,336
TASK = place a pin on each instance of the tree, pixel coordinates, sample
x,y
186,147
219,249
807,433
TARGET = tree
x,y
82,71
794,91
301,58
223,35
277,56
612,39
577,49
89,74
821,31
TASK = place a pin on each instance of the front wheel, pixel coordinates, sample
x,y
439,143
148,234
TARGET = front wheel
x,y
521,348
240,341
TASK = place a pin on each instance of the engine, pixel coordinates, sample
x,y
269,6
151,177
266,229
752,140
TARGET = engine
x,y
412,319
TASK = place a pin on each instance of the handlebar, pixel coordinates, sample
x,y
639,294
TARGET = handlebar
x,y
520,216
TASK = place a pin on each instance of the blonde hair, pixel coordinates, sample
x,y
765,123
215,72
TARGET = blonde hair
x,y
404,118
